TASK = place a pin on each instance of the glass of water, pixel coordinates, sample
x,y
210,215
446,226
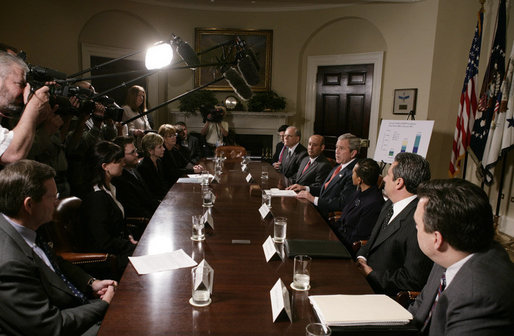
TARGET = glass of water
x,y
202,279
264,174
207,197
279,229
198,228
302,273
266,198
317,329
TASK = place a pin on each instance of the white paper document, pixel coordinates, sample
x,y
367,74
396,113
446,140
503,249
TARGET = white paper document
x,y
189,180
369,309
274,192
161,262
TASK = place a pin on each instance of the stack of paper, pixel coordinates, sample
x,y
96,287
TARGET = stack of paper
x,y
275,192
351,310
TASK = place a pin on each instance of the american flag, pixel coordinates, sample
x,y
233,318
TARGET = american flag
x,y
468,101
490,93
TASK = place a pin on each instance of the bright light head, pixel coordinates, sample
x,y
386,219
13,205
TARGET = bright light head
x,y
158,56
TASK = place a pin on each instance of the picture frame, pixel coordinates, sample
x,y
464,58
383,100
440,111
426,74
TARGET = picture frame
x,y
260,42
405,101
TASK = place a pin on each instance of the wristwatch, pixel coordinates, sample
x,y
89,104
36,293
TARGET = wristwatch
x,y
90,282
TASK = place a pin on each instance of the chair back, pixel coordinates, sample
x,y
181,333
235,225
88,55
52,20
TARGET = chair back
x,y
231,152
62,229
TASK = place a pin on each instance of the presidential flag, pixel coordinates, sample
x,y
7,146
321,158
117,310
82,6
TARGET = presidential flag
x,y
501,134
468,101
490,91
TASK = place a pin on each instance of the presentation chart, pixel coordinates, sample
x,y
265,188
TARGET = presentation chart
x,y
397,136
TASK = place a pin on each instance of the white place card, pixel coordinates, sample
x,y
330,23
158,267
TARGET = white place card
x,y
243,167
249,178
280,302
200,277
264,210
270,250
207,219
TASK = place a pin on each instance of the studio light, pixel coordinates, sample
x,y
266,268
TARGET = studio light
x,y
158,56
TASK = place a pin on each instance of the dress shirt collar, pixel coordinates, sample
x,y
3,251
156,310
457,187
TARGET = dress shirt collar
x,y
454,269
111,192
27,234
313,159
400,205
292,149
344,165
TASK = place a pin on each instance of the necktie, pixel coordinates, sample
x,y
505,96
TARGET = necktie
x,y
281,154
306,166
387,218
46,249
338,169
442,286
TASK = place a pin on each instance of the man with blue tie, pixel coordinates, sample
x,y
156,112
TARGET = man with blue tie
x,y
469,290
41,294
391,261
333,193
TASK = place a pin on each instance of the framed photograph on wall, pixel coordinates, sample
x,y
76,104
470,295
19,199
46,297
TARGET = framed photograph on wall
x,y
213,44
405,101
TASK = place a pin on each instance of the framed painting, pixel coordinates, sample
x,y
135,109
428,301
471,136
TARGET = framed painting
x,y
214,45
405,101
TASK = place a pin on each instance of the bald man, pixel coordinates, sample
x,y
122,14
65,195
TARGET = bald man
x,y
314,168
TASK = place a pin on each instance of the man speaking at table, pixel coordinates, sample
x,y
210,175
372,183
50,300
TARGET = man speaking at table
x,y
469,291
40,294
333,193
293,153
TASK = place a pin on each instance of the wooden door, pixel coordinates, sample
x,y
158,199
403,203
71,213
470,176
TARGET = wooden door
x,y
343,103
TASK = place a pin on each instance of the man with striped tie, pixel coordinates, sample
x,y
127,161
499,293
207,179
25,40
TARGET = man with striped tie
x,y
41,294
469,291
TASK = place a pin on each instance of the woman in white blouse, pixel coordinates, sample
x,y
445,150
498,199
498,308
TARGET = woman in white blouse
x,y
135,105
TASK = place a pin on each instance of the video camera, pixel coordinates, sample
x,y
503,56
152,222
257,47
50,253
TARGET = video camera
x,y
62,91
216,114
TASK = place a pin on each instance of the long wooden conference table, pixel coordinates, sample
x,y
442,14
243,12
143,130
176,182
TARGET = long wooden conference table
x,y
158,303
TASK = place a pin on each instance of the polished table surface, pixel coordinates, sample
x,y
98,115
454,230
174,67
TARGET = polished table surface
x,y
158,303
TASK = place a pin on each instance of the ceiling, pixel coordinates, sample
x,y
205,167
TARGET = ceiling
x,y
263,5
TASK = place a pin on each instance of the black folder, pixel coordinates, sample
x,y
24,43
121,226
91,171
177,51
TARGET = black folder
x,y
317,248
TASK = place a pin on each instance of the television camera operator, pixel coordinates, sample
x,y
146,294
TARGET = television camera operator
x,y
214,129
16,97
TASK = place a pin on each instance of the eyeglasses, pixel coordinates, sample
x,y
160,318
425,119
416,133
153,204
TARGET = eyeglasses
x,y
133,152
174,135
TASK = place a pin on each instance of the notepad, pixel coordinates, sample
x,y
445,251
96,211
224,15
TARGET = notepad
x,y
358,310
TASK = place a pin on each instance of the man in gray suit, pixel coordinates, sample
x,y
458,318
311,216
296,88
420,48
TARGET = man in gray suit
x,y
469,291
392,260
294,153
314,168
40,294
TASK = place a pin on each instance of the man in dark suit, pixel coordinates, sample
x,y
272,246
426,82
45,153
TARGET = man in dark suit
x,y
131,190
293,153
334,192
469,291
280,145
191,143
392,260
40,294
314,168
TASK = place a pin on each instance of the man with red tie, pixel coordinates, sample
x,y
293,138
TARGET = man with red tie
x,y
333,193
314,168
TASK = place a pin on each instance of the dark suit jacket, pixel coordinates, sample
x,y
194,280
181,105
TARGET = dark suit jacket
x,y
315,174
478,301
278,149
193,148
335,196
155,178
290,166
33,299
359,216
104,228
393,253
133,193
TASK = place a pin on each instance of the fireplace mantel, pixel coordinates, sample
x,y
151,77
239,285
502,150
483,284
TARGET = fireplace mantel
x,y
241,122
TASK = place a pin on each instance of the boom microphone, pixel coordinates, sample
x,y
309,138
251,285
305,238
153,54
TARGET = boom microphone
x,y
247,68
237,83
186,52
